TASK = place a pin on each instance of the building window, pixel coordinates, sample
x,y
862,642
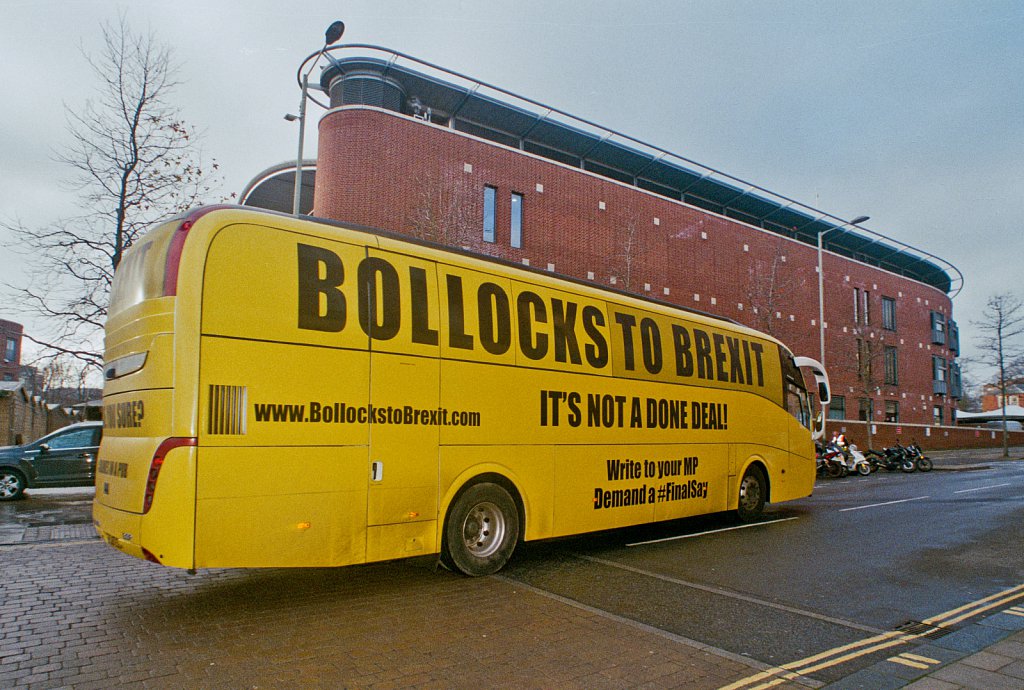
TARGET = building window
x,y
953,339
892,411
938,328
490,211
867,312
11,350
516,226
866,408
856,305
938,375
889,313
937,414
891,366
837,407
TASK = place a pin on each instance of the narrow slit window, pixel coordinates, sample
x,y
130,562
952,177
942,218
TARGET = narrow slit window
x,y
490,210
516,220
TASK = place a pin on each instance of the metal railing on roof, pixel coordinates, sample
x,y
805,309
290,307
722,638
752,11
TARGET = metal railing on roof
x,y
652,155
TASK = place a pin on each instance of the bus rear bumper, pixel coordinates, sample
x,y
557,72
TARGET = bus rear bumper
x,y
119,528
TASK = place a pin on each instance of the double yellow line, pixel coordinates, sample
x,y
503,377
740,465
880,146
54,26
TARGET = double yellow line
x,y
839,655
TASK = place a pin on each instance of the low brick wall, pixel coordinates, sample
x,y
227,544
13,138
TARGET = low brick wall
x,y
929,437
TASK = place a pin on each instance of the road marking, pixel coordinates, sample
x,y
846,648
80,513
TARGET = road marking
x,y
729,593
744,660
797,670
1015,611
914,661
887,503
981,488
711,531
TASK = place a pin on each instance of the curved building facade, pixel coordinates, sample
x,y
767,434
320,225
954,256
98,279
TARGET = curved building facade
x,y
415,150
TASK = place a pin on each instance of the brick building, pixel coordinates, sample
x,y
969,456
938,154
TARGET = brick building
x,y
425,152
10,355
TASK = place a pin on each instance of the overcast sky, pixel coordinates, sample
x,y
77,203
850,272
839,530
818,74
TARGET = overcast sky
x,y
909,111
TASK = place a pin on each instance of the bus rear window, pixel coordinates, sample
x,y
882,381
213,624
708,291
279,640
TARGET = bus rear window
x,y
141,273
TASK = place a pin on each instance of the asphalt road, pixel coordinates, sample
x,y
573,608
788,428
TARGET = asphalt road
x,y
861,558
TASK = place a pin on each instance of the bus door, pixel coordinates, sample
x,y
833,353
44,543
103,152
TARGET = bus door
x,y
402,315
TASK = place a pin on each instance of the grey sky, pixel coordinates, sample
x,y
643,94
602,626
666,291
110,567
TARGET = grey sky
x,y
910,111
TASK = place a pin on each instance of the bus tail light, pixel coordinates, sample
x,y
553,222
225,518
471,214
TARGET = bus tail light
x,y
162,450
178,244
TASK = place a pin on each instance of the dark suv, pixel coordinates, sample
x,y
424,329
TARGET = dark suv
x,y
67,457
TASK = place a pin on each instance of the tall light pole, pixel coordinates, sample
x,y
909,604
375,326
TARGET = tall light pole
x,y
821,283
332,35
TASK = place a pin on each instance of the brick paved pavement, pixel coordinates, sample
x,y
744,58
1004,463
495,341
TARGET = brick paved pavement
x,y
78,614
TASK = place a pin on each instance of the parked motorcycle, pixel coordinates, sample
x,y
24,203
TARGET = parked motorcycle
x,y
891,459
856,462
915,453
831,462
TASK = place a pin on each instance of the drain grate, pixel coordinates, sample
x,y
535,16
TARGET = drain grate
x,y
925,630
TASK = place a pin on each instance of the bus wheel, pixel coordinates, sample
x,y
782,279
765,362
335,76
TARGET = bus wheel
x,y
481,530
753,490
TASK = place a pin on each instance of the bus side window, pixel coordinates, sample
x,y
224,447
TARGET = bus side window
x,y
797,404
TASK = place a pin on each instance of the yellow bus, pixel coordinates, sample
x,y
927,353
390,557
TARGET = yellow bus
x,y
288,392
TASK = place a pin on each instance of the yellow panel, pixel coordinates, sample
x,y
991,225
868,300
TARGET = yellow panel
x,y
267,284
291,395
386,542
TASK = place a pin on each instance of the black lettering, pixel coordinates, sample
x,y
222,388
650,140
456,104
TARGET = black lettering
x,y
684,359
758,348
524,302
650,345
495,318
421,330
720,357
380,322
457,336
312,287
597,349
628,323
563,321
735,366
703,354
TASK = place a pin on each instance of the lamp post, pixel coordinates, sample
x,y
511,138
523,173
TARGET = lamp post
x,y
821,283
332,35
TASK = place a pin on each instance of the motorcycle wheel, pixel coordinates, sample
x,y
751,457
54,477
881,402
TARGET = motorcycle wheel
x,y
924,464
834,471
863,469
907,465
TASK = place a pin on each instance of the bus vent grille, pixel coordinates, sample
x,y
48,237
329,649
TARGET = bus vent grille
x,y
227,410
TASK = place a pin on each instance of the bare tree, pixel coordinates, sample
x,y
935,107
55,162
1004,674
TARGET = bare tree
x,y
133,161
629,259
1001,325
768,285
440,213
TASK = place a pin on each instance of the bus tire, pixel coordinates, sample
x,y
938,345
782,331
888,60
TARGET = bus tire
x,y
753,493
12,485
480,530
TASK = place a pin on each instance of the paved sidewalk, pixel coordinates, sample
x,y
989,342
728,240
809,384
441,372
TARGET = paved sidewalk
x,y
999,666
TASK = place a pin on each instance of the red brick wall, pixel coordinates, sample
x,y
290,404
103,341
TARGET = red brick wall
x,y
374,168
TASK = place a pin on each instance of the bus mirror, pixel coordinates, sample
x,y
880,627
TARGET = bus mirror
x,y
820,378
818,429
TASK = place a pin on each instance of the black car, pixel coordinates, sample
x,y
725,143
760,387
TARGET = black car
x,y
66,457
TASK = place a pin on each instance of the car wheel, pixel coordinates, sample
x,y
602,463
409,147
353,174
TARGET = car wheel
x,y
12,485
753,493
481,530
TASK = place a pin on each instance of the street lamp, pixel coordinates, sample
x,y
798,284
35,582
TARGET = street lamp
x,y
332,35
821,283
